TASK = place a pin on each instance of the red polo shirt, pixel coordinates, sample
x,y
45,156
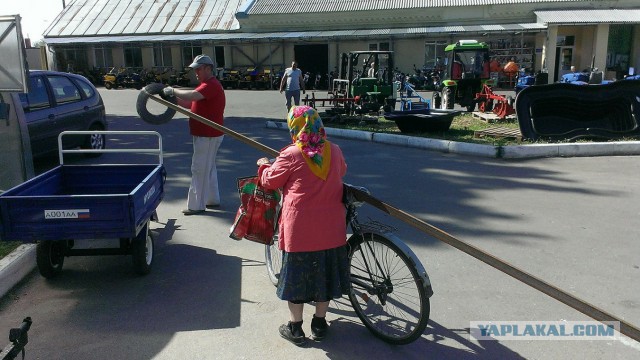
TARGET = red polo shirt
x,y
211,107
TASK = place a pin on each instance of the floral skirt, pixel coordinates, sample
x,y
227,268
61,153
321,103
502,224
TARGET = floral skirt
x,y
314,276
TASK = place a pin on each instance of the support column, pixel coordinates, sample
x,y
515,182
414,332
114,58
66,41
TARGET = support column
x,y
549,51
601,43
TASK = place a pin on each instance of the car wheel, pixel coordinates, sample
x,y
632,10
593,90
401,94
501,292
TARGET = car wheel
x,y
94,142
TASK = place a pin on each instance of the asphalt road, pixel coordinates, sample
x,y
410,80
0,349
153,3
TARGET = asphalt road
x,y
569,221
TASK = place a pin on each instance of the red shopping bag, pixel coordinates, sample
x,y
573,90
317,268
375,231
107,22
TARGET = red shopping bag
x,y
256,218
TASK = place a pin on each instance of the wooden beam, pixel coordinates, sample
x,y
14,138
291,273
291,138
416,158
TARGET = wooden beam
x,y
576,303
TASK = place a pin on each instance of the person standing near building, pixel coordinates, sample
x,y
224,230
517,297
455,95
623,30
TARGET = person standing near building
x,y
207,100
292,84
372,70
312,228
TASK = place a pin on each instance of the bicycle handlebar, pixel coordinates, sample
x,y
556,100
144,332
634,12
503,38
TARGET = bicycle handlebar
x,y
19,338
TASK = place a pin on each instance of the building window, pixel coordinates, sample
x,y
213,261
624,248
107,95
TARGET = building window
x,y
104,59
133,56
373,47
72,59
384,46
434,54
565,40
189,51
619,49
162,55
219,51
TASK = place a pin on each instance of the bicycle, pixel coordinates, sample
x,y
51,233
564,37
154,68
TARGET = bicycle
x,y
19,339
390,289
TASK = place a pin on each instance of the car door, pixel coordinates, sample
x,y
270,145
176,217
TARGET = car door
x,y
39,115
69,111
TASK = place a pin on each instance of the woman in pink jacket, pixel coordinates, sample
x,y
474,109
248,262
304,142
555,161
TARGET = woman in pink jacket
x,y
312,229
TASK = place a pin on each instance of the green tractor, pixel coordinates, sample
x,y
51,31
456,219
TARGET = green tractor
x,y
467,71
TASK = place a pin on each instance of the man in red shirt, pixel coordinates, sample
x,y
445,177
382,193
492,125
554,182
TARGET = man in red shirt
x,y
207,100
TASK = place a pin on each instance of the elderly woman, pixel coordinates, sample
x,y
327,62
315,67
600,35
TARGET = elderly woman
x,y
312,229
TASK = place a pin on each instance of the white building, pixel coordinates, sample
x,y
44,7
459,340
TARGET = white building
x,y
548,35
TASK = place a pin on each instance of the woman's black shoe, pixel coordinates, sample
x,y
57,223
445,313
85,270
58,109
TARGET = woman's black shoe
x,y
293,332
318,328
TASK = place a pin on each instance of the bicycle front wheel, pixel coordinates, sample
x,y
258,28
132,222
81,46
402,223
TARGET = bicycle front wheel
x,y
273,259
387,293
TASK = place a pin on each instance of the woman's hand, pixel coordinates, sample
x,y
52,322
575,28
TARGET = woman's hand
x,y
262,161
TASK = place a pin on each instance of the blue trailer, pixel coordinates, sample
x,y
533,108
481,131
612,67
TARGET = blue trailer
x,y
86,202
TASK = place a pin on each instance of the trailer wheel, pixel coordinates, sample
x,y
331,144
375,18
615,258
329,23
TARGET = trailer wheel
x,y
142,251
50,257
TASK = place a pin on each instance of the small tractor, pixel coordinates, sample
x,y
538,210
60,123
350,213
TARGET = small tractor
x,y
230,79
354,91
466,74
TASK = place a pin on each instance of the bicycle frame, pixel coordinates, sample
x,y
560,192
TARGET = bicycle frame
x,y
368,230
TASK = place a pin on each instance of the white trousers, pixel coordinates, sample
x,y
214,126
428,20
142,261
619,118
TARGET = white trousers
x,y
204,175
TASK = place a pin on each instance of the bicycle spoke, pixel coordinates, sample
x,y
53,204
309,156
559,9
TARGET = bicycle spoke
x,y
386,294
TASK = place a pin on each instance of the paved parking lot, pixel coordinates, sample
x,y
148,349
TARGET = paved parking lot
x,y
208,297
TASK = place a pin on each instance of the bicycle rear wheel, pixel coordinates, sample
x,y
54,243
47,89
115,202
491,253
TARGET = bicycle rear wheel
x,y
273,259
387,293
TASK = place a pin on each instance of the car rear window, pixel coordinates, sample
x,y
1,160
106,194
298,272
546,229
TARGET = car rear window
x,y
86,88
37,97
64,89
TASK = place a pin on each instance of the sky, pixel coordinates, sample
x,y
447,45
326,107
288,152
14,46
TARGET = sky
x,y
36,15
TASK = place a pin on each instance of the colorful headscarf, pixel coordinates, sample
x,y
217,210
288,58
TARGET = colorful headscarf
x,y
307,132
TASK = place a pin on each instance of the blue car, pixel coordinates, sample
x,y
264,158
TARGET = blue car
x,y
59,102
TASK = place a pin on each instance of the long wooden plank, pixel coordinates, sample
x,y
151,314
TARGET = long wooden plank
x,y
576,303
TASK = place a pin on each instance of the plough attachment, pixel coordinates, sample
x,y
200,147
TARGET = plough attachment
x,y
488,100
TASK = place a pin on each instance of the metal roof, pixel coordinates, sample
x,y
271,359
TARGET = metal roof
x,y
589,16
124,17
242,36
264,7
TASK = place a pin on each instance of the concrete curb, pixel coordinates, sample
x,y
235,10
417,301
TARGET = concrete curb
x,y
15,266
616,148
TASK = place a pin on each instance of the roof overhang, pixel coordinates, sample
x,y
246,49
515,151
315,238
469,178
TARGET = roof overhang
x,y
342,34
580,17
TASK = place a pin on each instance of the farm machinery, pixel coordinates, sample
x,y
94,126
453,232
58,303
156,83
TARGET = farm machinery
x,y
467,82
466,73
353,91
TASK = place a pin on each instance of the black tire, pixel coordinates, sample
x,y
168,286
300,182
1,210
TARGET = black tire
x,y
471,106
141,105
273,259
447,98
142,251
397,310
108,85
94,142
50,257
436,100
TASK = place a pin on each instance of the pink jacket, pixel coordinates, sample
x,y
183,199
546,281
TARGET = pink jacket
x,y
313,216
